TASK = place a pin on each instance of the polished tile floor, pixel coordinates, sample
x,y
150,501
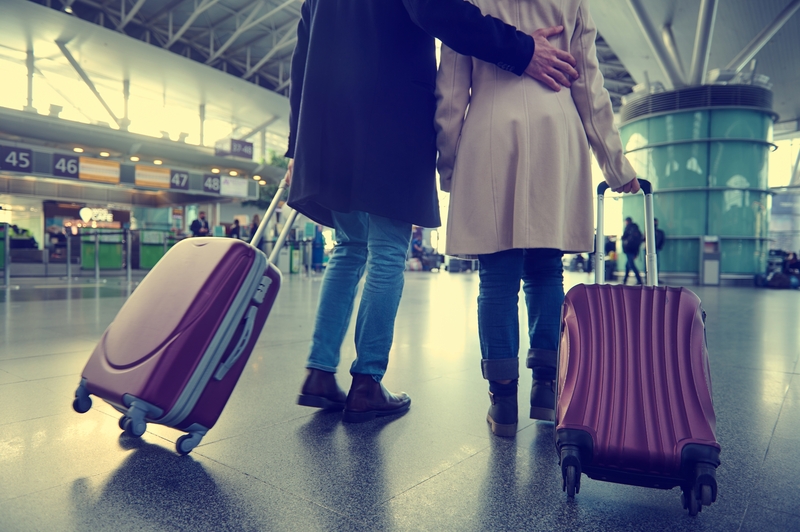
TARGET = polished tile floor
x,y
272,465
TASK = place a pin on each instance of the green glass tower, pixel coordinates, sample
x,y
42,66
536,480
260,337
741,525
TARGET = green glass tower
x,y
705,149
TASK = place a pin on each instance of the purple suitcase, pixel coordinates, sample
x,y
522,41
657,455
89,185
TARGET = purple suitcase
x,y
633,390
175,351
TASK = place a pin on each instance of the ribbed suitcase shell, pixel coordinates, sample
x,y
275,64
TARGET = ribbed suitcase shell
x,y
633,374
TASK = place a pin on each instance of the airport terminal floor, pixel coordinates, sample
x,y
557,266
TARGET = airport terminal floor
x,y
270,464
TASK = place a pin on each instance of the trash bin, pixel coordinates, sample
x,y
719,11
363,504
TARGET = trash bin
x,y
710,256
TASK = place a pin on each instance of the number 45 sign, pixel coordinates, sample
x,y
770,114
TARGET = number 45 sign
x,y
16,159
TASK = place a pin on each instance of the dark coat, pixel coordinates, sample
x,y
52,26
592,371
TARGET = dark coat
x,y
363,102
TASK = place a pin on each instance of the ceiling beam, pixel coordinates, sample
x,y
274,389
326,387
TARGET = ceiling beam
x,y
132,13
204,5
758,42
288,39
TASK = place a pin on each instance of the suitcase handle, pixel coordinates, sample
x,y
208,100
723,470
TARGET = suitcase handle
x,y
256,240
249,324
649,234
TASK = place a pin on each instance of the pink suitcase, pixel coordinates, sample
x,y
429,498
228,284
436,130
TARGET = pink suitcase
x,y
176,349
633,387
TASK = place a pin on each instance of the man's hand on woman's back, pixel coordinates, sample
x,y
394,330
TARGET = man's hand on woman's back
x,y
551,66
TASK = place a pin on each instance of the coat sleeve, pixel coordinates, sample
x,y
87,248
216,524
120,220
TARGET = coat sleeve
x,y
594,104
298,75
461,26
452,95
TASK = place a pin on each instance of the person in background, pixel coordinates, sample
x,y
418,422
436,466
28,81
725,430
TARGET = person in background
x,y
199,227
417,251
661,238
234,231
253,227
515,157
363,160
631,243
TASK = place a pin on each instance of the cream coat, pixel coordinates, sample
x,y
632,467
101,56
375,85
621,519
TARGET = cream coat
x,y
518,166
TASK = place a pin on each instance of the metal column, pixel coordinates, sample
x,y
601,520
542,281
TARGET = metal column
x,y
668,66
702,42
69,255
128,249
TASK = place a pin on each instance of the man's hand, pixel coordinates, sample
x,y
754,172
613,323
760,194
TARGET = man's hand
x,y
289,171
551,66
629,187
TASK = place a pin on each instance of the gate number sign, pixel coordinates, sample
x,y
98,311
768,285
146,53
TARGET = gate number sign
x,y
65,165
211,183
16,159
179,180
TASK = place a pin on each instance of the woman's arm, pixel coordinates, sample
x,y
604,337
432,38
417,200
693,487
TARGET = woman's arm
x,y
594,106
452,95
297,76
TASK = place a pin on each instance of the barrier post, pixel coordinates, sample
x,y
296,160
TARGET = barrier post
x,y
128,248
97,256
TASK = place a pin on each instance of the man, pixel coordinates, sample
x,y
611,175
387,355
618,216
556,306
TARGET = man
x,y
199,227
234,230
363,150
631,242
661,238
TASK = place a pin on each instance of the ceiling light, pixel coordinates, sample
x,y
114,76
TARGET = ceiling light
x,y
158,162
233,173
257,177
262,182
135,159
215,170
77,150
104,154
68,9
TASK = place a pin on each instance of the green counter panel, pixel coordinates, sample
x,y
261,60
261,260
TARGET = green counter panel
x,y
149,255
110,256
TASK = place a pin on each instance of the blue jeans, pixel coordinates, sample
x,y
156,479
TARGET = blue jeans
x,y
379,245
541,272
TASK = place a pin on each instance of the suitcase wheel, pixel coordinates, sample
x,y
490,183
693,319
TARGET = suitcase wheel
x,y
187,442
82,402
133,428
570,470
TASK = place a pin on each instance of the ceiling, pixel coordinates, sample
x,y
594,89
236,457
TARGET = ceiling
x,y
250,39
737,23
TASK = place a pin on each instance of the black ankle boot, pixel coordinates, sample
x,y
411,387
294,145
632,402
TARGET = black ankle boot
x,y
502,416
543,391
543,400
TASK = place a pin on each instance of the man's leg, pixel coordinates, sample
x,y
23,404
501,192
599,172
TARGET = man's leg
x,y
387,242
498,330
544,294
632,260
627,268
337,296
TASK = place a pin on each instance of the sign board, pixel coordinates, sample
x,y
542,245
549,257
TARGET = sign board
x,y
65,165
16,159
211,183
152,176
178,179
100,170
233,186
234,148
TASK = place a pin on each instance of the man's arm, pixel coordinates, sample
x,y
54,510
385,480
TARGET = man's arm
x,y
461,26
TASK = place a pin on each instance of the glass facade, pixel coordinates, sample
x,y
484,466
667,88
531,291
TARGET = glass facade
x,y
709,171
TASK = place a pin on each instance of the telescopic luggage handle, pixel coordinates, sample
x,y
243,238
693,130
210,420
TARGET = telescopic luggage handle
x,y
273,206
649,234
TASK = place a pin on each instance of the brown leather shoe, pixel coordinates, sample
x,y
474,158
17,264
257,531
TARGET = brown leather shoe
x,y
321,391
368,399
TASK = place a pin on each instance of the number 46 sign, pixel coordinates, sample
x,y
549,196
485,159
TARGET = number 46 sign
x,y
65,165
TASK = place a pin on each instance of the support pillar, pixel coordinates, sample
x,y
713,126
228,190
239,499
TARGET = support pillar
x,y
202,123
29,62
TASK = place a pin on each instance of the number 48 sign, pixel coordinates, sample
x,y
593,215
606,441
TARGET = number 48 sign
x,y
211,183
16,159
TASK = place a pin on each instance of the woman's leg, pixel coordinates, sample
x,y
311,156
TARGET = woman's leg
x,y
498,329
544,294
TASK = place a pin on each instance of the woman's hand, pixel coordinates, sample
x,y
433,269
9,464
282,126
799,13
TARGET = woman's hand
x,y
631,187
289,172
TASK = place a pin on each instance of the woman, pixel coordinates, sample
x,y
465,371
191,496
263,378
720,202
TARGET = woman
x,y
518,170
